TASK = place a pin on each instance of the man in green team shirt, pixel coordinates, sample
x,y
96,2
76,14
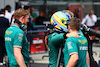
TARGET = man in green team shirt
x,y
56,38
15,40
75,49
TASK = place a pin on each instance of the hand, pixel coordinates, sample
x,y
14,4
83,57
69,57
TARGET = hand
x,y
91,16
92,37
72,34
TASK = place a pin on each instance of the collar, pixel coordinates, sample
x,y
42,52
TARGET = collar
x,y
1,15
15,25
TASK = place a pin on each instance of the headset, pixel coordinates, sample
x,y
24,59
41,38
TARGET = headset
x,y
22,26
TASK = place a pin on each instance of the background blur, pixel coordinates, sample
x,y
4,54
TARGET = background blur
x,y
49,7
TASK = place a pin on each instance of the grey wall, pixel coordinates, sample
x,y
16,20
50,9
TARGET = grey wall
x,y
3,3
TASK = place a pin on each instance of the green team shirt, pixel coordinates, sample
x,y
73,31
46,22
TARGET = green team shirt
x,y
54,42
76,46
34,16
15,37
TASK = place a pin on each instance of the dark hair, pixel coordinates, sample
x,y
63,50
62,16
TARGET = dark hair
x,y
74,23
2,11
8,7
26,7
18,5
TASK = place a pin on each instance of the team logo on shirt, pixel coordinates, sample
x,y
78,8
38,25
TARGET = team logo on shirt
x,y
8,32
82,41
20,37
69,45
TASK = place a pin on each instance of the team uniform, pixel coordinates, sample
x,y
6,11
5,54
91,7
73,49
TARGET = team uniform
x,y
76,46
15,37
54,42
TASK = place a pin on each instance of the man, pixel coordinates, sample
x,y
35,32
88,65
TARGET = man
x,y
33,15
4,24
7,12
29,24
40,18
76,11
90,19
75,49
15,40
56,38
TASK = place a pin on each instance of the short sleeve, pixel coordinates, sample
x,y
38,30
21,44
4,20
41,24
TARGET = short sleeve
x,y
72,46
18,39
57,38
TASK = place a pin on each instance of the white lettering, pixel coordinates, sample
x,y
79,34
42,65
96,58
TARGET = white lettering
x,y
83,48
69,45
20,37
7,39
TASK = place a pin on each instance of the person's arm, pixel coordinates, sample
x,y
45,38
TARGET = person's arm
x,y
19,57
58,38
84,20
73,60
46,42
17,45
94,19
87,59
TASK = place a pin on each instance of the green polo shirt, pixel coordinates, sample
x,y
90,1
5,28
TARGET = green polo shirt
x,y
76,46
15,37
34,16
54,42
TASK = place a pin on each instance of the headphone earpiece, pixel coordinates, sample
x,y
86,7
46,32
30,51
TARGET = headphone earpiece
x,y
22,26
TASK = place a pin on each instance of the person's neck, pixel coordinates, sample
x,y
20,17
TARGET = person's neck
x,y
17,24
73,31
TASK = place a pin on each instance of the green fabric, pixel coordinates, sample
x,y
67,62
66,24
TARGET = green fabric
x,y
14,36
54,42
11,65
33,15
78,45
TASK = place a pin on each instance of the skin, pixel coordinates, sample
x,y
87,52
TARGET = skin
x,y
91,12
74,57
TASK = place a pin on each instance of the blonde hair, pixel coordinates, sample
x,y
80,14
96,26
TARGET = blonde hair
x,y
71,13
19,13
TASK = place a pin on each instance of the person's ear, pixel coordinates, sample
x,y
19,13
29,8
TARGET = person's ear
x,y
68,27
22,19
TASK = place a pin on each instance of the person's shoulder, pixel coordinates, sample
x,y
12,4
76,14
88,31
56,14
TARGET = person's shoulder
x,y
34,14
16,29
2,17
71,38
6,19
94,15
19,30
55,33
87,15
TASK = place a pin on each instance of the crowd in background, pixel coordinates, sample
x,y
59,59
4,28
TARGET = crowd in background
x,y
8,19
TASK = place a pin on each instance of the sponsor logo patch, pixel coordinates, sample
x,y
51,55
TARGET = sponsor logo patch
x,y
8,32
